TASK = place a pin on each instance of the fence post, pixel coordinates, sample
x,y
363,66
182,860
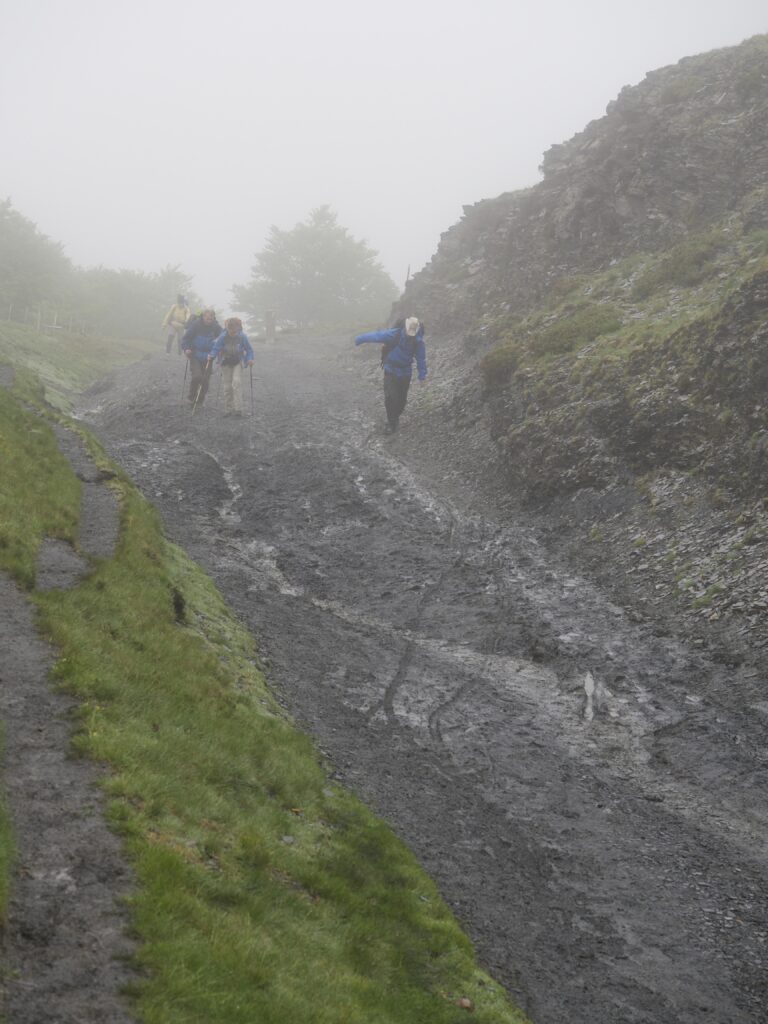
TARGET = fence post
x,y
269,325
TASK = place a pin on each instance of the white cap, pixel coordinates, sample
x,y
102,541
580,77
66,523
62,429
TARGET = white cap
x,y
412,325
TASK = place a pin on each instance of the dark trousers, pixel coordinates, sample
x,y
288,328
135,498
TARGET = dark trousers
x,y
395,397
198,380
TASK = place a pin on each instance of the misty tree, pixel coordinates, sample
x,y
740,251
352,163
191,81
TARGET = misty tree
x,y
33,269
316,275
35,274
129,303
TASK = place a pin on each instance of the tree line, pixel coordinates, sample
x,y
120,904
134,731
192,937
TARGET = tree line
x,y
314,275
36,274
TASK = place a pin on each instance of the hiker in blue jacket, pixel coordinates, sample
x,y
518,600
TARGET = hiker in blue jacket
x,y
402,344
233,352
196,345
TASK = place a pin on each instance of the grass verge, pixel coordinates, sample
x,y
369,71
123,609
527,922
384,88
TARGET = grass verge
x,y
67,363
265,892
39,494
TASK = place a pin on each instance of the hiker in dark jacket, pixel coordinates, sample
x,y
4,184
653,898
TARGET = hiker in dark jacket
x,y
196,344
233,352
403,344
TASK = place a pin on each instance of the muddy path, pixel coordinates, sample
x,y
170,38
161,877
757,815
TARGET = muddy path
x,y
590,796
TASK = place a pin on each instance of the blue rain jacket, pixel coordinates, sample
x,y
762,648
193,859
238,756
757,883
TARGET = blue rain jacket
x,y
199,338
399,359
243,347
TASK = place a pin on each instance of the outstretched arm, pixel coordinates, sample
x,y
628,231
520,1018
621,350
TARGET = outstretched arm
x,y
377,337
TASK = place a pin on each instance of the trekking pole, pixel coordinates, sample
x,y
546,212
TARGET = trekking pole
x,y
251,369
184,382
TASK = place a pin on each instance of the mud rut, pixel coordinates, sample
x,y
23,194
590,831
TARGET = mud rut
x,y
590,797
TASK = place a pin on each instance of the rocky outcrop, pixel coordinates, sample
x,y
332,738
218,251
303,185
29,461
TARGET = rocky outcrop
x,y
686,148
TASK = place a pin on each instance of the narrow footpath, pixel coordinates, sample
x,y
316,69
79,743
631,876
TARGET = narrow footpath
x,y
592,798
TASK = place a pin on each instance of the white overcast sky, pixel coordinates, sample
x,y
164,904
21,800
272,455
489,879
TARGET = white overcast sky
x,y
146,133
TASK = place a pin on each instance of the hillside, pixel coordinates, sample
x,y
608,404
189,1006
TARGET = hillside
x,y
600,343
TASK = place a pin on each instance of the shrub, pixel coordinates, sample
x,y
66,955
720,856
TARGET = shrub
x,y
500,363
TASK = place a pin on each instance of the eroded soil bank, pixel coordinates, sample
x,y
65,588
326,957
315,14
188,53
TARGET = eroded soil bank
x,y
590,795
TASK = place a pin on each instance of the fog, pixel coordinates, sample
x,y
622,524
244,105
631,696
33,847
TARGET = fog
x,y
177,133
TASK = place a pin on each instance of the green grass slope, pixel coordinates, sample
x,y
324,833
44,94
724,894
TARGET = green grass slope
x,y
66,363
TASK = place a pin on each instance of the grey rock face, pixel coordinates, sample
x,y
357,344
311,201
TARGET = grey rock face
x,y
682,150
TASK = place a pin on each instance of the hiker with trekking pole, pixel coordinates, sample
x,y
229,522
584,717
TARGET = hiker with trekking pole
x,y
196,344
401,345
233,352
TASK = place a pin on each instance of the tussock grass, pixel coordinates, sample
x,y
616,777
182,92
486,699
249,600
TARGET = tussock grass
x,y
264,891
685,265
578,328
542,336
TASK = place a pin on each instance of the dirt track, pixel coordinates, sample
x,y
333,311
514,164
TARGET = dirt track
x,y
590,797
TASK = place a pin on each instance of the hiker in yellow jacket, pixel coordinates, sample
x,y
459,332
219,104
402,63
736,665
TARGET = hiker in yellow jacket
x,y
175,323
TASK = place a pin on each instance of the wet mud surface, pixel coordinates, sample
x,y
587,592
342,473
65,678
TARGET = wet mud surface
x,y
589,795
